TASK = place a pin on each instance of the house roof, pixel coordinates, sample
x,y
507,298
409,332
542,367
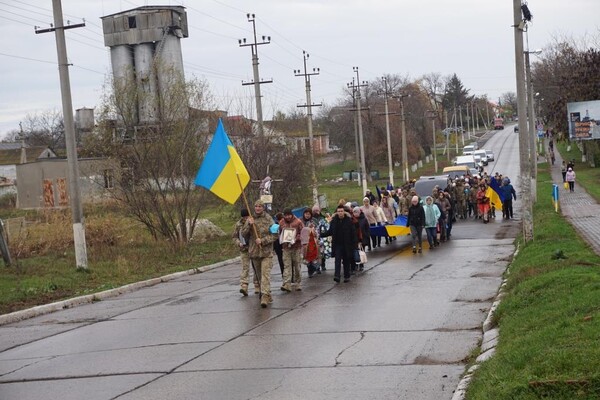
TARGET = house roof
x,y
13,156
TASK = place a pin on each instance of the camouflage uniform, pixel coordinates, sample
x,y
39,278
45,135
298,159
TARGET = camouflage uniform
x,y
261,254
459,195
292,257
241,243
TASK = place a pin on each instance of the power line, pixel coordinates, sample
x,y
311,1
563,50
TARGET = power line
x,y
27,58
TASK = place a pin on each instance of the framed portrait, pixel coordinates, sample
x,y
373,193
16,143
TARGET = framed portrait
x,y
288,235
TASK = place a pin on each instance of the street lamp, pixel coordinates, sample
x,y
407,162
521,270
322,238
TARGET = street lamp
x,y
532,124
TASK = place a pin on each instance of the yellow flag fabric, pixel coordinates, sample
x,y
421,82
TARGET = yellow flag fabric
x,y
222,171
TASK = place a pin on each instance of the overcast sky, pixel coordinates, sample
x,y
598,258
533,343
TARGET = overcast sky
x,y
472,38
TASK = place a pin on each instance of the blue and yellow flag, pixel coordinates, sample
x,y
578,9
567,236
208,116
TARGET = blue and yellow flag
x,y
494,193
222,171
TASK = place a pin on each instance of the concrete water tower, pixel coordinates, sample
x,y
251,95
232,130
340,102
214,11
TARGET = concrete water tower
x,y
145,51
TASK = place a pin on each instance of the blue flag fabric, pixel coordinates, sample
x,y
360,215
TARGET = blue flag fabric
x,y
222,170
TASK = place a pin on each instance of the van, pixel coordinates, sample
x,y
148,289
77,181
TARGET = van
x,y
457,171
469,161
425,184
468,150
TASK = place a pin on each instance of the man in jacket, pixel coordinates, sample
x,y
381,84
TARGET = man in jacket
x,y
344,242
291,247
260,249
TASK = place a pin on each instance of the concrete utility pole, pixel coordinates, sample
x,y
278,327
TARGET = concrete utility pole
x,y
363,165
455,128
309,106
462,131
256,81
532,124
519,25
433,115
468,118
405,175
387,130
355,132
67,105
447,136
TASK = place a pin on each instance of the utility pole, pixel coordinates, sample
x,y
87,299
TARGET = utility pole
x,y
532,124
67,105
455,128
309,106
387,130
433,115
462,131
358,164
256,81
405,175
469,123
447,136
525,175
363,165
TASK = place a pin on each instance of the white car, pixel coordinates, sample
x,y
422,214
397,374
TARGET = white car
x,y
482,155
490,155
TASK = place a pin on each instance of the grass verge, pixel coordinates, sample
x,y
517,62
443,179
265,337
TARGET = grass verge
x,y
550,319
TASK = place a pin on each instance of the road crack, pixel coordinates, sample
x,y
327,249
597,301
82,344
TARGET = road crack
x,y
337,361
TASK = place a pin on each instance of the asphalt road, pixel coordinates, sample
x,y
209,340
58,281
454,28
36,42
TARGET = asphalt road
x,y
400,330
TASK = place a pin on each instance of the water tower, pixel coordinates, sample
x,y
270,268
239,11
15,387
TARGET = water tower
x,y
145,52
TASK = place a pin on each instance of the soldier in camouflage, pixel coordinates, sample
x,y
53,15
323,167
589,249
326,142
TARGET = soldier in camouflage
x,y
260,248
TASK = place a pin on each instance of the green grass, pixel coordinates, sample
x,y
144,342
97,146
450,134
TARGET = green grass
x,y
587,176
550,319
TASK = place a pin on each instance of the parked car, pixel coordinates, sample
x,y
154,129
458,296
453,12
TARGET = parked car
x,y
490,155
516,128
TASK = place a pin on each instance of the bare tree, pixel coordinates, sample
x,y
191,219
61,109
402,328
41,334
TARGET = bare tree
x,y
158,161
41,129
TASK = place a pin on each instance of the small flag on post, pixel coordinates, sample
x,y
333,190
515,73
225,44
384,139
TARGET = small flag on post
x,y
222,170
555,196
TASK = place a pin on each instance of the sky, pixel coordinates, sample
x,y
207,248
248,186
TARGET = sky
x,y
471,38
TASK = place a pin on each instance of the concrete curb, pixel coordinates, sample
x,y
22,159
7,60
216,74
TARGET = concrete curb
x,y
90,298
491,335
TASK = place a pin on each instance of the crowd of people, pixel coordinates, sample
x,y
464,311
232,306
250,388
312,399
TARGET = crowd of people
x,y
315,236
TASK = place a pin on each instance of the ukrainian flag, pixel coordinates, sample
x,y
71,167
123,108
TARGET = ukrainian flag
x,y
494,193
222,171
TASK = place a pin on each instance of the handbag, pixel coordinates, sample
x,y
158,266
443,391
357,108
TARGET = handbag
x,y
362,256
357,256
566,185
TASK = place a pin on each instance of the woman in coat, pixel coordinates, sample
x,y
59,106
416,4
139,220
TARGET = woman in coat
x,y
432,214
416,221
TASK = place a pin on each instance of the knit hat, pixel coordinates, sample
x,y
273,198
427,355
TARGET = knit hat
x,y
244,212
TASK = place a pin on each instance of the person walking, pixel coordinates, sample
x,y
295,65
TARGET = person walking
x,y
369,211
311,224
416,221
324,243
483,203
563,171
290,228
508,192
343,242
260,248
363,231
381,220
241,242
570,178
432,215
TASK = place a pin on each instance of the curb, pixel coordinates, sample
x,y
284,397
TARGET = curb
x,y
91,298
489,341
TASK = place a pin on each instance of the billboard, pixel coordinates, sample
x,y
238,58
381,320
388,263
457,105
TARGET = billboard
x,y
584,120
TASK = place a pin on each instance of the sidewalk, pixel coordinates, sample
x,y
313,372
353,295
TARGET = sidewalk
x,y
579,208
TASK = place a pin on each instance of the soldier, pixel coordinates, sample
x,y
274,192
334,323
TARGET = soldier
x,y
260,248
241,243
461,204
291,246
